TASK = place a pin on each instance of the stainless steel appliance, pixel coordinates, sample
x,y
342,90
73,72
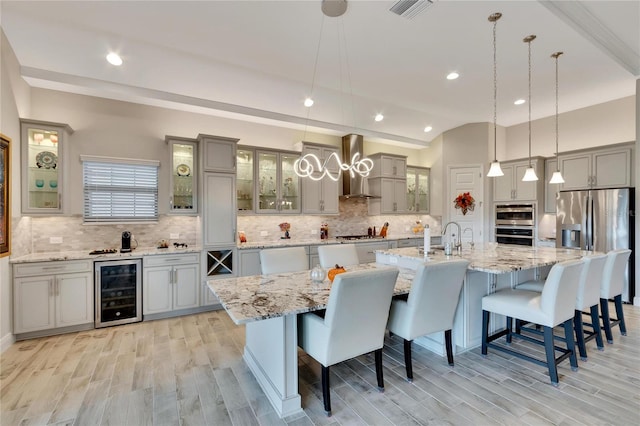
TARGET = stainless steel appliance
x,y
516,224
600,220
118,294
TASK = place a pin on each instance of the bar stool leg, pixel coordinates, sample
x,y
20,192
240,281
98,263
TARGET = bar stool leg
x,y
378,357
326,395
485,331
509,328
551,357
606,321
449,345
595,322
407,360
620,314
577,324
568,334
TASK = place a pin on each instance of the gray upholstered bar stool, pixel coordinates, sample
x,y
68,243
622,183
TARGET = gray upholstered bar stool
x,y
612,287
554,306
341,254
587,299
430,306
286,259
353,325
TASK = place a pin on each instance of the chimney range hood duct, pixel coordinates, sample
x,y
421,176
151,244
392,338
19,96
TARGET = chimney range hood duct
x,y
353,186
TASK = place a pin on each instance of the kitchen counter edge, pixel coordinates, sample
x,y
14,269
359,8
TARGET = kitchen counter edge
x,y
83,255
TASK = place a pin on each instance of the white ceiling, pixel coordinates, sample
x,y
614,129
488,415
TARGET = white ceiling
x,y
254,60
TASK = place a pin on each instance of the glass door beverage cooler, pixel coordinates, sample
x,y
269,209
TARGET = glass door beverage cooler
x,y
118,292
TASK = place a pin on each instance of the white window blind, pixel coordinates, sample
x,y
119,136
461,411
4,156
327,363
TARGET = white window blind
x,y
120,191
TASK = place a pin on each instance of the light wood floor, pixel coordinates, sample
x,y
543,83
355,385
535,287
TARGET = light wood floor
x,y
189,371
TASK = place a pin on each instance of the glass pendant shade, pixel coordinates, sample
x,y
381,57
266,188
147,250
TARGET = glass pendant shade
x,y
556,178
530,175
495,169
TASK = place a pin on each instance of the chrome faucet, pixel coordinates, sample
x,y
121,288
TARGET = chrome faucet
x,y
459,243
469,229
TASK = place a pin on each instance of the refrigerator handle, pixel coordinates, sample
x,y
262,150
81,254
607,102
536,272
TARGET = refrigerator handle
x,y
589,222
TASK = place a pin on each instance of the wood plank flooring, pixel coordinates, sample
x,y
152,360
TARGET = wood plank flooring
x,y
189,371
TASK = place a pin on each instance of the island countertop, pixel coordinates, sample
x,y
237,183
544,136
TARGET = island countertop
x,y
259,297
498,259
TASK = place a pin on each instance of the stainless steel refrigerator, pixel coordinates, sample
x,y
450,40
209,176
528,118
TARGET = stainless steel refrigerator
x,y
599,220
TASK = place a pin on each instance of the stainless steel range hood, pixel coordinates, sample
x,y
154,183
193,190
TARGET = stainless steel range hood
x,y
353,186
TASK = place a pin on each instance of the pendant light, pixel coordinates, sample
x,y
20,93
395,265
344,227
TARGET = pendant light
x,y
530,173
495,170
557,176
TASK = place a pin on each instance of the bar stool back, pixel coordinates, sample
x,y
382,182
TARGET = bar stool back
x,y
286,259
341,254
612,286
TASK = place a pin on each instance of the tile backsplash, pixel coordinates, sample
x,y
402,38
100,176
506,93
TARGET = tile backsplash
x,y
39,234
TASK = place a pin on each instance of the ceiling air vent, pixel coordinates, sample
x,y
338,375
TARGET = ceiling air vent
x,y
410,8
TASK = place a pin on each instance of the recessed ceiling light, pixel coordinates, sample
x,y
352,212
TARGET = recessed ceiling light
x,y
428,129
452,75
114,59
519,102
308,102
379,117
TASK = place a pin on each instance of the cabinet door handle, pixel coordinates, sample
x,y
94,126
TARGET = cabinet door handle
x,y
57,287
175,276
595,180
51,292
51,268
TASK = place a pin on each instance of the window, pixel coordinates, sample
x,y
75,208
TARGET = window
x,y
120,190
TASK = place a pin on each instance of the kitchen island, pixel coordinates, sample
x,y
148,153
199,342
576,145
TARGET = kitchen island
x,y
268,305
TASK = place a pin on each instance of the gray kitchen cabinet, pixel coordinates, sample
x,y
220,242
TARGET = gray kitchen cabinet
x,y
278,186
392,195
218,153
388,165
321,196
43,165
550,189
510,187
170,282
418,184
249,262
245,180
600,168
183,185
53,295
219,209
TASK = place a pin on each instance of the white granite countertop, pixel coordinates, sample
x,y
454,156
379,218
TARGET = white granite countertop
x,y
84,254
259,297
502,259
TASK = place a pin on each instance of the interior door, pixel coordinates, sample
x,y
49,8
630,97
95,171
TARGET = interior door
x,y
466,179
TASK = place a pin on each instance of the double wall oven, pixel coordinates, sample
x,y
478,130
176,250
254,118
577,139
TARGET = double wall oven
x,y
516,224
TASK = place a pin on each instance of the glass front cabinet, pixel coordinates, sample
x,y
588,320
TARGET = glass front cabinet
x,y
245,182
43,145
418,189
183,184
277,184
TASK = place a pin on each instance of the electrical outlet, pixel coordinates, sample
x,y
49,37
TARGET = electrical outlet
x,y
393,260
174,235
406,229
55,240
264,233
314,231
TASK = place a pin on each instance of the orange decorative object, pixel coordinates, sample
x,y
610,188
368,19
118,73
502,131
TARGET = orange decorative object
x,y
335,271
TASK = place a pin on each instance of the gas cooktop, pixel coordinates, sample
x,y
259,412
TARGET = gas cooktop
x,y
357,237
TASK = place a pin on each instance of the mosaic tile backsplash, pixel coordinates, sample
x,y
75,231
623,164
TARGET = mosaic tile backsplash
x,y
33,234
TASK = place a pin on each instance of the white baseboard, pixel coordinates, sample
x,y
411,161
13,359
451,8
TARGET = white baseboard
x,y
6,341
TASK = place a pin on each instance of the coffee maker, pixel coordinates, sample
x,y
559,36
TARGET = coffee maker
x,y
126,242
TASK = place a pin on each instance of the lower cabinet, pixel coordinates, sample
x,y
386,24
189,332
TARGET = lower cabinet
x,y
52,295
249,262
170,282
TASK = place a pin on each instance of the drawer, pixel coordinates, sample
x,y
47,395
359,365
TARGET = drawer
x,y
52,268
171,259
412,242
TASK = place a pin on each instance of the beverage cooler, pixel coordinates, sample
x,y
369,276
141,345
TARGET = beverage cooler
x,y
118,292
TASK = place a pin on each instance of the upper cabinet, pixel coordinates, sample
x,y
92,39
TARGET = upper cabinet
x,y
321,196
510,187
550,189
418,180
388,165
43,156
278,185
601,168
184,175
245,181
388,181
218,153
